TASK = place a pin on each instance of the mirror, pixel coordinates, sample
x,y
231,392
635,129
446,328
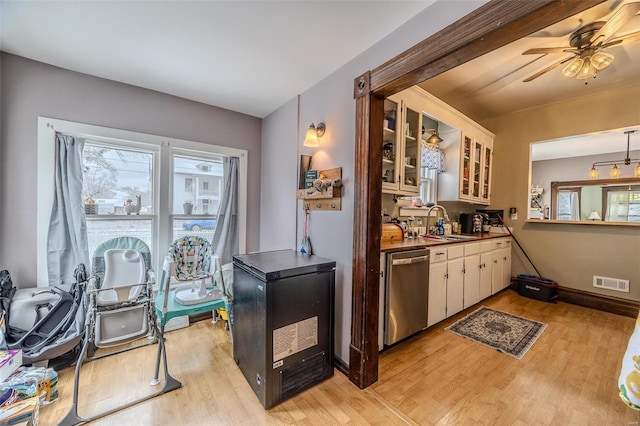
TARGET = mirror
x,y
600,185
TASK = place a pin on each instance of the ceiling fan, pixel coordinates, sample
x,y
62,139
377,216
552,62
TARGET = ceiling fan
x,y
587,44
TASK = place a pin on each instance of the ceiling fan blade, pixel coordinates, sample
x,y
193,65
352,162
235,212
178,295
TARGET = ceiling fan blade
x,y
544,50
547,69
617,20
628,38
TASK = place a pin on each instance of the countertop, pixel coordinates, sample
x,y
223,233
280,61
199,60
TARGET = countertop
x,y
422,242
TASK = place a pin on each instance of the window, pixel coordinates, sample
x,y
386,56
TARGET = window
x,y
622,204
118,192
428,185
130,192
568,204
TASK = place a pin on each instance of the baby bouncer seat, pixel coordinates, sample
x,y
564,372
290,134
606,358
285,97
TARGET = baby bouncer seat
x,y
121,310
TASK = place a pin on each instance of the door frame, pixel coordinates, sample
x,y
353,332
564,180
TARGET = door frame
x,y
487,28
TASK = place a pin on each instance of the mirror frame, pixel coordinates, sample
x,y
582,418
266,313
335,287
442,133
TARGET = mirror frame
x,y
604,183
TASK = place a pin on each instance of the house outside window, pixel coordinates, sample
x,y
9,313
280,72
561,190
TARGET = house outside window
x,y
188,185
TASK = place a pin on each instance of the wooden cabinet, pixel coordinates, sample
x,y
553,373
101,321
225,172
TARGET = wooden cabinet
x,y
401,147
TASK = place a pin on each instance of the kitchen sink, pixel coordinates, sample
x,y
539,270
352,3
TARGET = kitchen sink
x,y
450,237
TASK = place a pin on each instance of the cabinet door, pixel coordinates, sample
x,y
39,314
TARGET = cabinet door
x,y
465,169
471,280
409,165
476,169
455,286
486,260
506,265
390,147
437,293
487,163
497,281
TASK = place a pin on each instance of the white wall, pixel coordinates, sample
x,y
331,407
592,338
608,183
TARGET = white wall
x,y
331,101
31,89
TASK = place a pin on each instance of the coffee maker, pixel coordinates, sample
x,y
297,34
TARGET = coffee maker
x,y
471,223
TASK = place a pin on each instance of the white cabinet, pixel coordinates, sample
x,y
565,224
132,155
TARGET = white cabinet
x,y
455,279
437,286
471,274
467,175
446,283
401,147
506,264
468,149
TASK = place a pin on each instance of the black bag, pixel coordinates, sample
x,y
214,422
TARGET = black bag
x,y
535,287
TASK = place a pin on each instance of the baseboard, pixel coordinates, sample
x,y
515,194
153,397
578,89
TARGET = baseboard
x,y
341,366
615,305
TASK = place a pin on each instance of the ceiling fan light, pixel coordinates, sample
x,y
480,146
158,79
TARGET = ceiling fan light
x,y
587,70
571,70
601,60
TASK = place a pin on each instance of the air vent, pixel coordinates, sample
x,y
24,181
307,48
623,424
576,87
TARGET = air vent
x,y
302,375
616,284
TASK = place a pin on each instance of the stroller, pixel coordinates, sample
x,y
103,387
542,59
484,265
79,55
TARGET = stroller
x,y
47,323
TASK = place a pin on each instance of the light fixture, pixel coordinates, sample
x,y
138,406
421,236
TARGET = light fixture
x,y
434,138
594,216
615,170
311,139
587,65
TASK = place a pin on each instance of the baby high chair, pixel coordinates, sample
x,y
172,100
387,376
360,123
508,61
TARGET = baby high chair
x,y
189,260
120,311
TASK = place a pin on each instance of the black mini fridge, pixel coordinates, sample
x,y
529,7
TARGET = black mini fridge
x,y
283,304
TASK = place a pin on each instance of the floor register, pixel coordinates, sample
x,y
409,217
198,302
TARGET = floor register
x,y
283,322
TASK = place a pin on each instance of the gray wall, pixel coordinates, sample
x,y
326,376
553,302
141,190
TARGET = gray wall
x,y
31,89
569,254
331,101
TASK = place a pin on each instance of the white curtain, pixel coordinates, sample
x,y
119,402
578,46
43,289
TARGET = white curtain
x,y
617,206
225,237
67,244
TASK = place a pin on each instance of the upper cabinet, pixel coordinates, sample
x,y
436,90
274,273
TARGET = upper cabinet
x,y
467,146
401,147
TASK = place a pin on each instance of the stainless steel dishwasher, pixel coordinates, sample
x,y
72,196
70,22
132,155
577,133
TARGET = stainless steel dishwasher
x,y
407,294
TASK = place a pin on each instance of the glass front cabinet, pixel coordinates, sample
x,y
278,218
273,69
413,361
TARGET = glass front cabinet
x,y
402,127
476,159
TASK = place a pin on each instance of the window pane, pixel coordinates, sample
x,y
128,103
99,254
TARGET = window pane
x,y
206,178
99,231
199,227
117,181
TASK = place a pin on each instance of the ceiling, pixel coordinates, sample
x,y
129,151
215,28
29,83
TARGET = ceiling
x,y
492,85
246,56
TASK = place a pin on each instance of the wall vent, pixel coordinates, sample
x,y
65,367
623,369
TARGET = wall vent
x,y
611,283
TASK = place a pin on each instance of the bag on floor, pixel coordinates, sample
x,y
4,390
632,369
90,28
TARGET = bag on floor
x,y
535,287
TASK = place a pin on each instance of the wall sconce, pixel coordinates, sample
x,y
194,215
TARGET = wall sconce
x,y
311,139
615,170
594,216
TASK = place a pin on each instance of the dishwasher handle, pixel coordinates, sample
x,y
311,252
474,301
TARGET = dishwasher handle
x,y
410,260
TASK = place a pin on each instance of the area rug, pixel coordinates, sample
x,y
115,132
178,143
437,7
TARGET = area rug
x,y
508,333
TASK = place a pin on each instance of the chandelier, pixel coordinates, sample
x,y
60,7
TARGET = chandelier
x,y
615,170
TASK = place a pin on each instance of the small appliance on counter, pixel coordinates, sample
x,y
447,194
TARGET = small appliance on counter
x,y
494,216
471,223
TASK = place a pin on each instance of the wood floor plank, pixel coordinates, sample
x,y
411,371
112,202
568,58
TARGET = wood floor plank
x,y
568,377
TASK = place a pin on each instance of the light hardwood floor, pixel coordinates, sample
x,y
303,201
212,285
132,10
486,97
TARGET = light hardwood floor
x,y
568,377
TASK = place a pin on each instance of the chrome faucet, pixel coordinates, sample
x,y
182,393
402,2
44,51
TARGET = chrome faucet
x,y
444,214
